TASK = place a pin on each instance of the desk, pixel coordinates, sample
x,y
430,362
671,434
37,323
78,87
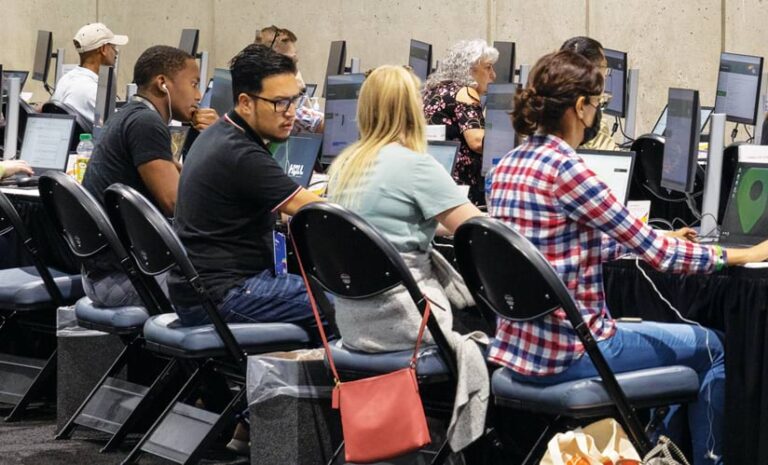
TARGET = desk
x,y
53,250
734,301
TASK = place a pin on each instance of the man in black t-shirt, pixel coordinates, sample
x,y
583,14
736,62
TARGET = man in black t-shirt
x,y
135,149
230,192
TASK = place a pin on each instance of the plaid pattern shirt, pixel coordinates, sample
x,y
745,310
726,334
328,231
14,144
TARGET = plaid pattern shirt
x,y
546,192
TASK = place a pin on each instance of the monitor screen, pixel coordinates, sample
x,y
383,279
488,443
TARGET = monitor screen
x,y
222,99
43,51
681,145
738,87
661,123
297,157
105,96
46,141
499,133
616,82
614,168
337,58
505,65
444,152
340,114
310,90
189,40
205,101
420,59
746,214
21,75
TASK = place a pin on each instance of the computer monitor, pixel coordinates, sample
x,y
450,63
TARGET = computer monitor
x,y
340,114
297,156
47,138
337,58
9,74
222,99
499,133
189,40
745,220
681,144
614,168
738,87
420,58
105,96
505,65
445,152
310,89
661,124
616,82
179,136
43,51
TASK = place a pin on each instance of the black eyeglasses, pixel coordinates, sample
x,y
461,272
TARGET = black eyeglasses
x,y
281,105
602,103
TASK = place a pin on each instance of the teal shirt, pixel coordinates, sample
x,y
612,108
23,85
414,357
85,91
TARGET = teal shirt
x,y
403,193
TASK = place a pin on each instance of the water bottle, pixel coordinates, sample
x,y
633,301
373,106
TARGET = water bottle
x,y
84,151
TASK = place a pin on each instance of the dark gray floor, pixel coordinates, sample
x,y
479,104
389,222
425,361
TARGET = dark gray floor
x,y
30,442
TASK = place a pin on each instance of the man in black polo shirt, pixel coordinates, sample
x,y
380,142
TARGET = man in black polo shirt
x,y
231,190
135,144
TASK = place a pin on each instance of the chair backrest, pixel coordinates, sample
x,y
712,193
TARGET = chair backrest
x,y
86,229
349,258
156,248
508,274
60,108
9,221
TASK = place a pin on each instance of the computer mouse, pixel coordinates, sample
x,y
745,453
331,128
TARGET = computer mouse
x,y
26,181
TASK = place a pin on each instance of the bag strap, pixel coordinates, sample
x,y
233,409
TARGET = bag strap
x,y
321,329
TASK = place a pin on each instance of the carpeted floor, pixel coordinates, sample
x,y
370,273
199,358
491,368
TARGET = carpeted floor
x,y
30,442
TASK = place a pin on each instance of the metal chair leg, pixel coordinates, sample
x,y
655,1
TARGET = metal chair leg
x,y
37,385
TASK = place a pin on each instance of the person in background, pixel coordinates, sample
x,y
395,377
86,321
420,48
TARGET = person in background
x,y
389,179
452,98
97,46
592,50
546,192
283,41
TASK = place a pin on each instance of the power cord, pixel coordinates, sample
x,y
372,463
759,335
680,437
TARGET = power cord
x,y
710,413
735,132
621,128
750,138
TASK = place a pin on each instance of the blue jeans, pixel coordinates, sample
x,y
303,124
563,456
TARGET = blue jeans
x,y
264,298
638,346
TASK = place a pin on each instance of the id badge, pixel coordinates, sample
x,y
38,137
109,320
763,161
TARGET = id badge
x,y
281,254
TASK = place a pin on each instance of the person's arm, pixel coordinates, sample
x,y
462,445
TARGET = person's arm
x,y
298,200
757,253
469,117
587,200
452,218
203,118
162,180
11,167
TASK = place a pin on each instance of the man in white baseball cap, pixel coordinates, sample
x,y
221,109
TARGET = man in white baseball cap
x,y
97,45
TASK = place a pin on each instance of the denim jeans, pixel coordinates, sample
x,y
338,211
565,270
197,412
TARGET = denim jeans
x,y
264,298
638,346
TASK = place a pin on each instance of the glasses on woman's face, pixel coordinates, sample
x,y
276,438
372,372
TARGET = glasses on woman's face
x,y
605,70
601,101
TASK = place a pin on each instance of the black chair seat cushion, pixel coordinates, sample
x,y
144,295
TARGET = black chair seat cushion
x,y
651,387
166,330
24,287
430,363
111,317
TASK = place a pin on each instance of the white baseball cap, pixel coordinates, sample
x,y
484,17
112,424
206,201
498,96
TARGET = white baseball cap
x,y
94,35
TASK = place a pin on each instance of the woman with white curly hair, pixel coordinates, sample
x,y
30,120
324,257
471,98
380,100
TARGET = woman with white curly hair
x,y
452,98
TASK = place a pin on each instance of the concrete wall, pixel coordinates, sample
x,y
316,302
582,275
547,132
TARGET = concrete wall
x,y
672,43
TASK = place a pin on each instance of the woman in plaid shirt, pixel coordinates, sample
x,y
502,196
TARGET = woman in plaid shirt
x,y
545,191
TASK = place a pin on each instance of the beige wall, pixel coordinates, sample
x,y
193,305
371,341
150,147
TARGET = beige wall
x,y
672,43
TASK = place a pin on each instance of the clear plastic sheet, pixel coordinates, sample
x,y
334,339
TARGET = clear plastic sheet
x,y
300,374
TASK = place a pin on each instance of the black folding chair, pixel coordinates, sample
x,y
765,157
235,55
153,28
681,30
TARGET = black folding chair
x,y
29,297
344,255
218,350
508,275
115,404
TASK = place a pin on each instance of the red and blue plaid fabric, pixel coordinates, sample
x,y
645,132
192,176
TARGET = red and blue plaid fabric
x,y
546,192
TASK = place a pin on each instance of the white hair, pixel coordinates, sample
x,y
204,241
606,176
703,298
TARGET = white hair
x,y
459,60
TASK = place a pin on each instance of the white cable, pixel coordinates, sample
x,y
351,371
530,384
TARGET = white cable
x,y
170,112
710,436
